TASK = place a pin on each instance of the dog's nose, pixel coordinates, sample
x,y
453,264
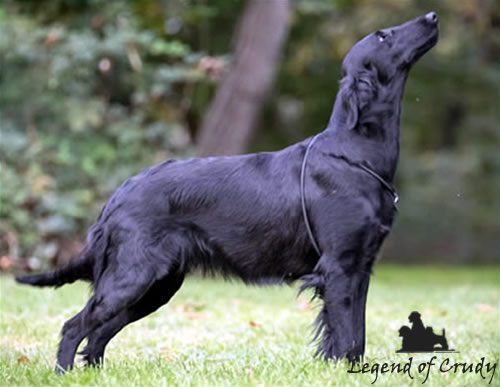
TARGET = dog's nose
x,y
431,17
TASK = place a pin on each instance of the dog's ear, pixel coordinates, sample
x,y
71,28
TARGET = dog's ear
x,y
349,102
355,94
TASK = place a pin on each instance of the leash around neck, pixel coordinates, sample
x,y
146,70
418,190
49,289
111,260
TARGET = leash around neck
x,y
303,196
388,186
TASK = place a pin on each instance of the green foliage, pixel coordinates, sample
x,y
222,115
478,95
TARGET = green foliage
x,y
87,101
194,341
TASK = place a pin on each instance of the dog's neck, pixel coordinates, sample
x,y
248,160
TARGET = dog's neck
x,y
374,140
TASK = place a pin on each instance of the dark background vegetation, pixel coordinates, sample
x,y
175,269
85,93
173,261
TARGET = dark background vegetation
x,y
91,92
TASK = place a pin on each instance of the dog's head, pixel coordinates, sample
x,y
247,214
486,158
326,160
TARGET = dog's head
x,y
414,317
404,331
382,60
393,50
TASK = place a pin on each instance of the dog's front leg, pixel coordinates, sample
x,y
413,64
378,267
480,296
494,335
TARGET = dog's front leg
x,y
341,322
361,284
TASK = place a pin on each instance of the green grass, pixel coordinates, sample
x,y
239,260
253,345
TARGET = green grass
x,y
204,335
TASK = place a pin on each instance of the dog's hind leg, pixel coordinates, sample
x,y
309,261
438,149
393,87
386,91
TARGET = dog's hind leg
x,y
139,264
159,294
116,290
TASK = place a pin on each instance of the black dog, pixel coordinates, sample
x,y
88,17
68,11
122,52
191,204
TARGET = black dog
x,y
420,338
316,211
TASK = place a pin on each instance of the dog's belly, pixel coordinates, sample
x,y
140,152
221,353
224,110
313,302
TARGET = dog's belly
x,y
264,258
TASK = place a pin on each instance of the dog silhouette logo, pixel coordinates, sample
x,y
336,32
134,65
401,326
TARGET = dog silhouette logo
x,y
419,338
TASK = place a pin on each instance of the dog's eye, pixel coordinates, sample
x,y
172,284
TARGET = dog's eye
x,y
367,65
381,35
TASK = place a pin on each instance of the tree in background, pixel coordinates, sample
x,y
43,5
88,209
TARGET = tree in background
x,y
229,122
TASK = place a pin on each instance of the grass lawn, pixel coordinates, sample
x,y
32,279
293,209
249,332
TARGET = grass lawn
x,y
226,334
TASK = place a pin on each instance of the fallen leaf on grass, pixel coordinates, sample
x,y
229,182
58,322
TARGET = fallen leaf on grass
x,y
237,302
255,323
192,307
195,316
484,307
304,305
22,359
166,353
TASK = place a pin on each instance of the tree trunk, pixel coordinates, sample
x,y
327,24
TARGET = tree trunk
x,y
230,120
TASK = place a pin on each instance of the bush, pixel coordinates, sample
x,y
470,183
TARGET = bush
x,y
85,104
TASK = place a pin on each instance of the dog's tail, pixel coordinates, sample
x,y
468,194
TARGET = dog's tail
x,y
82,267
78,268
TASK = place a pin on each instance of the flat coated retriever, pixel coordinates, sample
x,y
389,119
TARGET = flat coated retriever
x,y
317,211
